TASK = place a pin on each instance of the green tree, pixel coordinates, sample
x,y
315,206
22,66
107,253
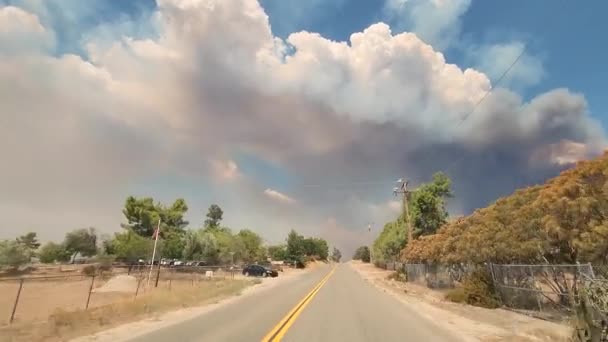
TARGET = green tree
x,y
252,243
309,246
172,217
13,254
231,247
278,252
336,255
131,247
201,245
143,214
320,248
192,246
390,242
427,205
362,253
173,245
295,247
210,250
107,245
214,217
51,252
30,241
83,241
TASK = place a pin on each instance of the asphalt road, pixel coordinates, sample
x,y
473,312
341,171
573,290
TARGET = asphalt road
x,y
344,308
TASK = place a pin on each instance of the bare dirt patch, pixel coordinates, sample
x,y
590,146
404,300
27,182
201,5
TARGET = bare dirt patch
x,y
63,325
473,323
119,283
40,298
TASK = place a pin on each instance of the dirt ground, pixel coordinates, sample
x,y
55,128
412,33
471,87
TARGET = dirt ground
x,y
478,324
68,290
40,298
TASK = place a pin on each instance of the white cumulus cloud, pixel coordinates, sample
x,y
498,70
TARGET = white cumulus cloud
x,y
276,195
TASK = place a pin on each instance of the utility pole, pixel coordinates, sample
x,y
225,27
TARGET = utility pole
x,y
369,228
156,234
402,189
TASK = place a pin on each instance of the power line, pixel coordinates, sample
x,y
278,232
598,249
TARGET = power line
x,y
345,185
502,76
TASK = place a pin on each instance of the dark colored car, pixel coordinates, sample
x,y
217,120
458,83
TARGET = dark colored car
x,y
259,271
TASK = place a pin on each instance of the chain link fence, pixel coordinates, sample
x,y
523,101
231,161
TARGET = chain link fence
x,y
548,289
432,276
545,291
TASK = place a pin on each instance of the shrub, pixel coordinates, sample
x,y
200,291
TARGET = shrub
x,y
89,270
477,289
104,263
398,276
456,295
13,254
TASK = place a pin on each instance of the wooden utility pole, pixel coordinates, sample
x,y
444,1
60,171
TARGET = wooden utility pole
x,y
402,189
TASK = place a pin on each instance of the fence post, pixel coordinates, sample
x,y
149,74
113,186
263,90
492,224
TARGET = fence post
x,y
538,300
16,300
157,275
591,272
137,289
90,290
492,273
495,283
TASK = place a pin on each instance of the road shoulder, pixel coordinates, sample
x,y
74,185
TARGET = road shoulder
x,y
132,330
468,322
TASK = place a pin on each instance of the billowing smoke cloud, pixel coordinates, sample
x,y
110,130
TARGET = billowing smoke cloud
x,y
76,133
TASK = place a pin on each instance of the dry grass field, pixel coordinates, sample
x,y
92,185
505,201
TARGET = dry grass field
x,y
60,315
48,289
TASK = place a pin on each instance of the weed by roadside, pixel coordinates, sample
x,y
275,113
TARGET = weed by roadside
x,y
477,289
398,276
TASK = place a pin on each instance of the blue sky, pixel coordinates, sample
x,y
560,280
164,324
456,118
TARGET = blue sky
x,y
114,121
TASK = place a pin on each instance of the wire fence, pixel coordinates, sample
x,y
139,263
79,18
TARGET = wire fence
x,y
545,291
432,276
548,289
35,298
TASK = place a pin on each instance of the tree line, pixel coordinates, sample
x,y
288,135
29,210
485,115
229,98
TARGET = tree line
x,y
428,213
564,220
211,243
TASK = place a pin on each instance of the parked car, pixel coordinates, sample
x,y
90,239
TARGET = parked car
x,y
259,271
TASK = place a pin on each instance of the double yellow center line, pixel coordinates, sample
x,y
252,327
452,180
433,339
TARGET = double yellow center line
x,y
277,333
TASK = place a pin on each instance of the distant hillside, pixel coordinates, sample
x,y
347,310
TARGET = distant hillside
x,y
564,220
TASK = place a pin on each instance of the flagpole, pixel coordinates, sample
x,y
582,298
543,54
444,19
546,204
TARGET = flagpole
x,y
157,233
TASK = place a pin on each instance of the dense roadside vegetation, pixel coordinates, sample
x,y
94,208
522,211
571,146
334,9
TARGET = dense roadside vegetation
x,y
362,253
211,243
564,220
